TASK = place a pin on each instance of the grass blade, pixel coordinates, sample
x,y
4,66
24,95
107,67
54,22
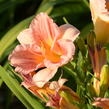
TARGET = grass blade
x,y
21,93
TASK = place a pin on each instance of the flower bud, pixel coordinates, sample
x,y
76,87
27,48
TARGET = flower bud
x,y
69,98
104,80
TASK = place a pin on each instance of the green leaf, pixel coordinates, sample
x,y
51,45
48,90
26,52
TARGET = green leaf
x,y
1,81
11,35
70,71
85,31
46,6
62,7
25,97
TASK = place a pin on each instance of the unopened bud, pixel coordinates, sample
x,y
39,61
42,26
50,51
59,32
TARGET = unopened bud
x,y
104,80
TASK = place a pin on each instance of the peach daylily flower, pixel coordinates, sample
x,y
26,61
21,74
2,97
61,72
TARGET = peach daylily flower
x,y
101,102
43,45
50,93
100,17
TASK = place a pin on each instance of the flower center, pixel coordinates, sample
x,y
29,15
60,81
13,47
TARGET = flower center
x,y
49,54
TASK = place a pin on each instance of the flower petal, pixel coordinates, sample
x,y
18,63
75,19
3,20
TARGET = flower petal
x,y
101,29
61,81
56,85
101,102
26,37
44,28
43,76
69,32
97,7
68,50
100,12
26,58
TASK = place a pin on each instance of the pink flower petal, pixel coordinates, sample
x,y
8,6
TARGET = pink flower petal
x,y
69,32
101,102
43,76
44,29
26,37
68,49
61,81
56,85
26,58
27,82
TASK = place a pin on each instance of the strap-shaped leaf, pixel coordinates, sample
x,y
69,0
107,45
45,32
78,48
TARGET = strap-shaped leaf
x,y
11,35
26,98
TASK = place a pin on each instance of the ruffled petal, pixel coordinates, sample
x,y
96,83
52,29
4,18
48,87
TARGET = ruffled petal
x,y
26,37
69,32
100,12
43,76
97,7
26,58
68,50
44,29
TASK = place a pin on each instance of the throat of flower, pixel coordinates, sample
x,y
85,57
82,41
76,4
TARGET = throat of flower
x,y
50,54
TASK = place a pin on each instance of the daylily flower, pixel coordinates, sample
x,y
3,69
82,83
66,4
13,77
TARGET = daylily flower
x,y
48,88
63,97
100,17
43,44
101,102
55,94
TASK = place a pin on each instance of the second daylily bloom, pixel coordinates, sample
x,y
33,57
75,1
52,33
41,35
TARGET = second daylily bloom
x,y
55,94
100,17
43,44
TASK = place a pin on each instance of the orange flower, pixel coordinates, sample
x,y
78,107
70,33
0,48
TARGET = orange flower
x,y
43,44
100,17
